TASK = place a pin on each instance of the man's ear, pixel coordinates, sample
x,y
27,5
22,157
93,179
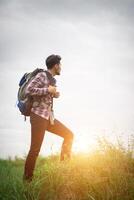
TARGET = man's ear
x,y
56,66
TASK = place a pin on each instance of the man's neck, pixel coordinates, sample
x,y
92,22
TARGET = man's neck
x,y
51,72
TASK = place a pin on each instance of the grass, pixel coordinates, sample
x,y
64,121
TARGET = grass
x,y
105,174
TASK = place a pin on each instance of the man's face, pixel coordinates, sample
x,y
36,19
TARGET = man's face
x,y
58,69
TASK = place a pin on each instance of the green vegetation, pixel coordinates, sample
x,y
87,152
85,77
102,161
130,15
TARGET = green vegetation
x,y
105,174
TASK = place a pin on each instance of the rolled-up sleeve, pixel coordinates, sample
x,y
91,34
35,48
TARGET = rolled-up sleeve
x,y
37,85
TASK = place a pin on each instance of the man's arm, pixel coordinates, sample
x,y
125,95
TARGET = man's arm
x,y
34,87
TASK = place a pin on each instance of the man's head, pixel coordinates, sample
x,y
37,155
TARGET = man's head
x,y
53,64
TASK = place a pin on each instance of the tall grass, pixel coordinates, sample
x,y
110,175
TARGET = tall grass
x,y
105,174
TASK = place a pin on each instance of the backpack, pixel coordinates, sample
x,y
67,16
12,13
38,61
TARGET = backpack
x,y
25,102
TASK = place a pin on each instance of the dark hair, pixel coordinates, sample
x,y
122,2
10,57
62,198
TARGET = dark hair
x,y
52,60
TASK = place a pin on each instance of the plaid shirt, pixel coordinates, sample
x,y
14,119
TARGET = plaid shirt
x,y
42,99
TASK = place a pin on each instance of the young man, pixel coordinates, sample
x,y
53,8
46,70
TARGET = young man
x,y
43,89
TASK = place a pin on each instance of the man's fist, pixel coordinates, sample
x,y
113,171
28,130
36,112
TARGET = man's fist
x,y
52,89
56,95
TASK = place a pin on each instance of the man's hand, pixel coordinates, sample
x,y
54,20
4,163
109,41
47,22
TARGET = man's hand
x,y
56,95
52,89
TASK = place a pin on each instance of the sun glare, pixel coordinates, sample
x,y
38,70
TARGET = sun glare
x,y
83,144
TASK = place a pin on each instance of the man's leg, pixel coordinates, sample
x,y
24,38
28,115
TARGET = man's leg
x,y
60,129
38,127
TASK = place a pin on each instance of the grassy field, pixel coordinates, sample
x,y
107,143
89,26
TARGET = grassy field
x,y
105,174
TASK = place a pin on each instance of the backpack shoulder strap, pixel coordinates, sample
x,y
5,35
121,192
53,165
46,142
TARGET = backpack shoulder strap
x,y
50,78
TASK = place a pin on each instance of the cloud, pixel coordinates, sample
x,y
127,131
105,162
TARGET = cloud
x,y
70,10
35,28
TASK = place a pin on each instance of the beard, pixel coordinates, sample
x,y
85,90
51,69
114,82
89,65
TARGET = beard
x,y
57,72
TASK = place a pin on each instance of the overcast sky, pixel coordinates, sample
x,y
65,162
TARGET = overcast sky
x,y
96,42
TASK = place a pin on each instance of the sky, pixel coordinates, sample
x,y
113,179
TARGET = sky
x,y
96,42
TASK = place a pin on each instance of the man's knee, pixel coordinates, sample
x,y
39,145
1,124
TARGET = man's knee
x,y
70,136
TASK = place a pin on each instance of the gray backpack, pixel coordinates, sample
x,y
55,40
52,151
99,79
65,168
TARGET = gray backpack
x,y
25,101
